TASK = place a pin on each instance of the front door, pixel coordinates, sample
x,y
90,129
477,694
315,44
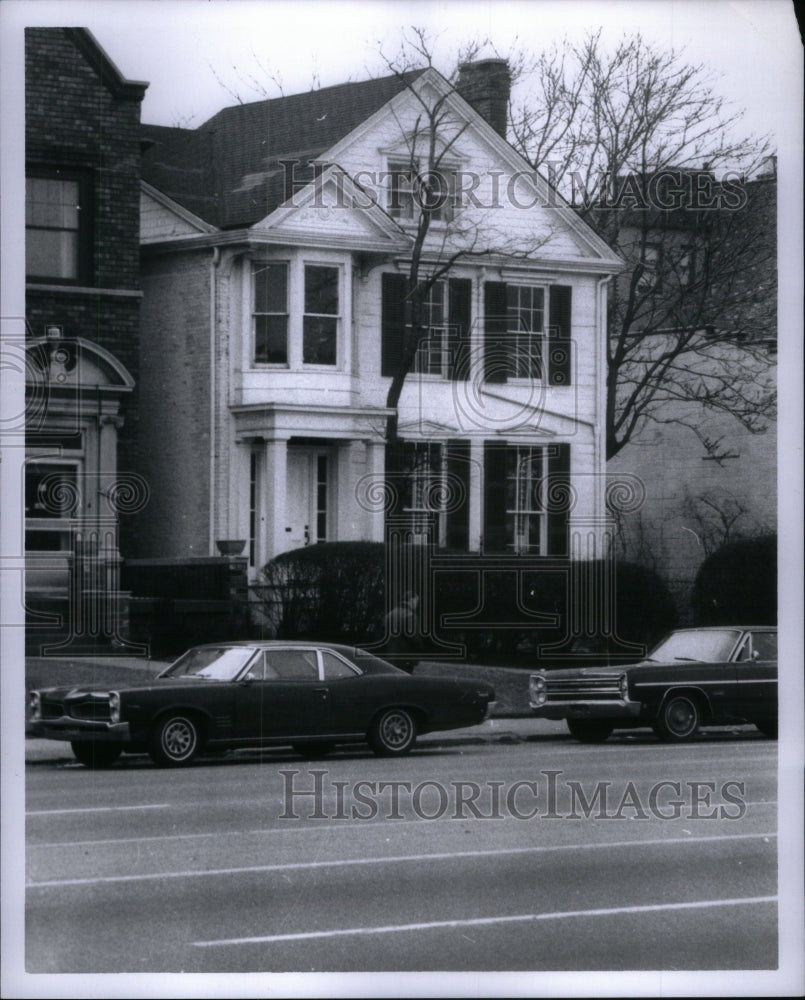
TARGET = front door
x,y
309,512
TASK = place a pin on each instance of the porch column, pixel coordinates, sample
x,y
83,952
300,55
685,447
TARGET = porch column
x,y
476,495
274,498
375,477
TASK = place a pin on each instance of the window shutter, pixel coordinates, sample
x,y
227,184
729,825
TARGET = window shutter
x,y
496,361
559,334
458,516
558,499
459,311
394,312
494,496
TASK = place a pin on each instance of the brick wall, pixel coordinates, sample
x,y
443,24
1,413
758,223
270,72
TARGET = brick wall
x,y
81,115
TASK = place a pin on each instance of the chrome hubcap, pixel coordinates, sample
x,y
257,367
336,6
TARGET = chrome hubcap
x,y
396,730
178,739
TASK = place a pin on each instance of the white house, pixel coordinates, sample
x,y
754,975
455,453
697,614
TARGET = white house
x,y
276,240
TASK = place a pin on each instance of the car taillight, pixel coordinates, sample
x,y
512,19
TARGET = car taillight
x,y
114,707
624,686
35,704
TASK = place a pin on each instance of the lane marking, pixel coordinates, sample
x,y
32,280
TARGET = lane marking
x,y
486,921
394,859
317,826
97,809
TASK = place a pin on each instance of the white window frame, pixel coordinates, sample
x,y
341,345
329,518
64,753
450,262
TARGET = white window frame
x,y
530,476
257,263
399,168
337,317
526,346
425,480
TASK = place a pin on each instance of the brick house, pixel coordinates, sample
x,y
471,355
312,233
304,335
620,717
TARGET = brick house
x,y
82,149
708,477
276,239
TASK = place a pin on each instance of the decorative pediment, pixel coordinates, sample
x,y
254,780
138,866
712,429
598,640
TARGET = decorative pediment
x,y
334,210
75,363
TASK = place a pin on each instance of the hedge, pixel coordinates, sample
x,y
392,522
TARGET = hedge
x,y
737,584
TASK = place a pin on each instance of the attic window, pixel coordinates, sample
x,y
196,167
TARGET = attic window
x,y
411,191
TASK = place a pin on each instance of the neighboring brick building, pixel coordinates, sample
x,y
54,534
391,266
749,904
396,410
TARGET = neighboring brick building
x,y
708,478
82,147
273,316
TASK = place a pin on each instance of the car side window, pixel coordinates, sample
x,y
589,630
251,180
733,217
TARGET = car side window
x,y
765,644
335,667
744,654
291,664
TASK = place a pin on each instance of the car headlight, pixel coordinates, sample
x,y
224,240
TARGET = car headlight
x,y
114,707
537,690
624,686
35,705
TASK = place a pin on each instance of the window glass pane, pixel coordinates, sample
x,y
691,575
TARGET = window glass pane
x,y
321,290
296,664
271,288
51,253
271,339
51,490
335,667
319,340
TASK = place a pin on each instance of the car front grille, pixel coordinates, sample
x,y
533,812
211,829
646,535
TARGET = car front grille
x,y
93,709
588,688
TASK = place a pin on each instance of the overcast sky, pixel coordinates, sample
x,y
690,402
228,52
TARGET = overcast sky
x,y
196,54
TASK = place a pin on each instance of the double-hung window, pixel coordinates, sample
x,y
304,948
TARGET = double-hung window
x,y
270,312
525,311
424,489
432,354
58,228
526,476
322,318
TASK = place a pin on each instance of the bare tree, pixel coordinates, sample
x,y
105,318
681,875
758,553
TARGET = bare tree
x,y
649,154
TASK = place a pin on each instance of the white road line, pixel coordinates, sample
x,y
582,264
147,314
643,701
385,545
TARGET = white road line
x,y
97,809
316,826
486,921
394,859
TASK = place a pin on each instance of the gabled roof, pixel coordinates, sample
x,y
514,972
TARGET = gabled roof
x,y
228,170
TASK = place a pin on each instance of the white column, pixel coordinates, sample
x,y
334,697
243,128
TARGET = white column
x,y
476,495
274,499
371,495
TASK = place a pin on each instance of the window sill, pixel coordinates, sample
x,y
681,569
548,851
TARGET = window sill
x,y
41,286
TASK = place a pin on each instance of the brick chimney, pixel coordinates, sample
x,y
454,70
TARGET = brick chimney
x,y
486,85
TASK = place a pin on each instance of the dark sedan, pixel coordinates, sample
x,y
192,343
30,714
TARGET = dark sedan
x,y
308,695
694,677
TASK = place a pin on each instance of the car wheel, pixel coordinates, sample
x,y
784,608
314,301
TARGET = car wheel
x,y
392,733
95,755
176,741
768,727
314,750
679,719
590,730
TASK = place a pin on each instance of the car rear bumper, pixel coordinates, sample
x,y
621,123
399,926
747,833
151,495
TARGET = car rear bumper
x,y
68,728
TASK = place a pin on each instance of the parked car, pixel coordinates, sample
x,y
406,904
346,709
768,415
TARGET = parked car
x,y
694,677
308,695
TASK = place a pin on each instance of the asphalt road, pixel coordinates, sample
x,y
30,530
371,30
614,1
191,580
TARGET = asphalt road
x,y
537,855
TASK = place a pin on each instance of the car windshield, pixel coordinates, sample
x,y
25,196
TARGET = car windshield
x,y
217,663
708,645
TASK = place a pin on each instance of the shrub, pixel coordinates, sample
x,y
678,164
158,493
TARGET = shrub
x,y
337,591
329,591
737,584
